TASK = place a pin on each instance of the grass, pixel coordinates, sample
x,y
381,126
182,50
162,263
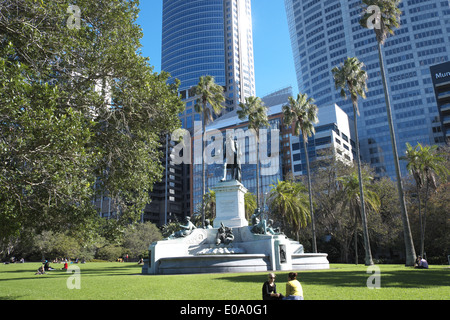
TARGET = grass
x,y
123,281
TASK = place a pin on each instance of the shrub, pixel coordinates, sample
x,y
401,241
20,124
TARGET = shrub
x,y
109,253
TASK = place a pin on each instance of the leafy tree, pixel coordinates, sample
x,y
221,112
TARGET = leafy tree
x,y
425,164
353,200
302,114
209,101
254,110
110,252
288,200
437,236
333,220
138,237
383,16
210,209
250,204
81,114
352,77
57,245
386,226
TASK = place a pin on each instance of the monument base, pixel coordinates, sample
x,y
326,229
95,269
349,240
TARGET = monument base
x,y
249,252
230,204
221,250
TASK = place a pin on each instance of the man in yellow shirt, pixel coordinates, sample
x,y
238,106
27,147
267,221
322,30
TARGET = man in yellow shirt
x,y
294,290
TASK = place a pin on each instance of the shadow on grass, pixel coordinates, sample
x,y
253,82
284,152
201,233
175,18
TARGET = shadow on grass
x,y
410,278
85,269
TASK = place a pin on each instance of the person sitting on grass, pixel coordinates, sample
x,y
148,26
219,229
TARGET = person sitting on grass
x,y
47,266
294,290
421,263
40,270
269,289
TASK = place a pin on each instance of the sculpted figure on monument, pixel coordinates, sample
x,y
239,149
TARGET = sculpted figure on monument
x,y
208,224
259,225
262,226
224,235
185,231
232,154
271,229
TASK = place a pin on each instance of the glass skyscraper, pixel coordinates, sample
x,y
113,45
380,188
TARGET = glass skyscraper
x,y
325,32
200,38
210,37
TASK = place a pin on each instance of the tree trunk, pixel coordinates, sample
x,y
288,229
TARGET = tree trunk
x,y
203,166
409,245
311,209
422,244
368,257
420,220
257,171
356,239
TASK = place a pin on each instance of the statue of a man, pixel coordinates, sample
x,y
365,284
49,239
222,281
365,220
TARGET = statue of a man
x,y
232,154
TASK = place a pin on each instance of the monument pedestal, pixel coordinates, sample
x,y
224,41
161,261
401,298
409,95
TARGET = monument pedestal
x,y
230,205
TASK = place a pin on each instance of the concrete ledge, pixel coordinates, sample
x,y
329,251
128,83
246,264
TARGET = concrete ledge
x,y
310,261
214,264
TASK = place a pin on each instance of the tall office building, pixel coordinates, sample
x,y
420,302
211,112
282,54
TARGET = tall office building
x,y
200,38
209,37
441,80
325,32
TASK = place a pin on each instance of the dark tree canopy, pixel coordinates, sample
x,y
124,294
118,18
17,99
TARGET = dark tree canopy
x,y
81,113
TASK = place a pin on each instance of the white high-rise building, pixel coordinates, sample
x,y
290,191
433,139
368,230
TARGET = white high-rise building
x,y
325,32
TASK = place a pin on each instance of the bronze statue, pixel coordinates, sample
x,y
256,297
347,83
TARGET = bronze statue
x,y
185,231
224,235
232,154
259,225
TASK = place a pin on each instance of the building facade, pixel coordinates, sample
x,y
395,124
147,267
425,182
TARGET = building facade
x,y
325,33
200,38
334,132
274,151
441,80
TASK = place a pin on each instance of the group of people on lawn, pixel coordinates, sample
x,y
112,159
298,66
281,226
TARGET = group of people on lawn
x,y
46,266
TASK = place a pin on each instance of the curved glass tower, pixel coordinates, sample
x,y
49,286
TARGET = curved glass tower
x,y
193,41
210,37
325,33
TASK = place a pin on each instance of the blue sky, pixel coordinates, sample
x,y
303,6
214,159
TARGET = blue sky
x,y
274,64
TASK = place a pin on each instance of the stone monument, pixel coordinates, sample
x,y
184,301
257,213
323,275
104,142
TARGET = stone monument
x,y
231,245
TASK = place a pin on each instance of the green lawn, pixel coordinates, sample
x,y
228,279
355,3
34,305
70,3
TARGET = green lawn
x,y
123,281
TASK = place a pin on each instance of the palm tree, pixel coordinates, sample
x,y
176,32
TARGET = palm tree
x,y
302,113
210,97
256,112
425,164
249,204
387,17
289,200
351,188
352,77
